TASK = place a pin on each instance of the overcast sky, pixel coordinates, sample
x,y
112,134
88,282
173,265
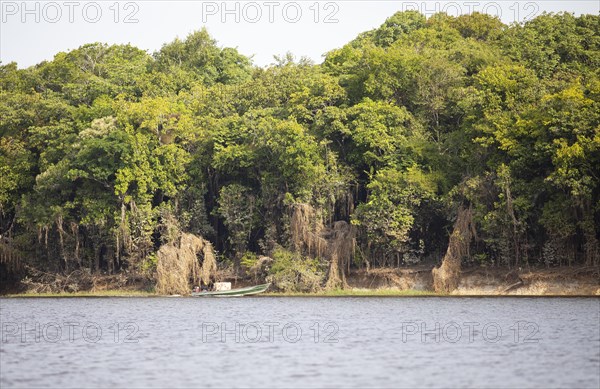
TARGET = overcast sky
x,y
34,31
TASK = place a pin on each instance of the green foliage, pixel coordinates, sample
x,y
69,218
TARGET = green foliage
x,y
105,146
291,272
15,172
248,260
389,213
237,208
149,263
380,133
397,26
197,58
551,43
478,26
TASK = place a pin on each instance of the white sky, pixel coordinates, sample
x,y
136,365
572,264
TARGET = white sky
x,y
263,28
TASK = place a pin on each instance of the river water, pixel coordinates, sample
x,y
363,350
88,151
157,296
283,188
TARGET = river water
x,y
424,342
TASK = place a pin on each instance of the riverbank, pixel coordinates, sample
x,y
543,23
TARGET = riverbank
x,y
408,282
333,293
481,281
325,293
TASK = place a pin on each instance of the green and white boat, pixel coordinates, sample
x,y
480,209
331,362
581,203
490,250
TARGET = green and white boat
x,y
247,291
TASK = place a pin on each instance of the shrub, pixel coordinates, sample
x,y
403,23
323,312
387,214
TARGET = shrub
x,y
290,272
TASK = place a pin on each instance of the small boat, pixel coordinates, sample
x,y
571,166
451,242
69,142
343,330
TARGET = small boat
x,y
247,291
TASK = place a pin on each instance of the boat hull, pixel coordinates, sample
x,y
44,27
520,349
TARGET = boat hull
x,y
248,291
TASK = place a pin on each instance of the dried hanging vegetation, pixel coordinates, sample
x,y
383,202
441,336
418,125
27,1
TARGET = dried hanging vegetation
x,y
209,263
335,244
340,249
305,228
447,276
178,264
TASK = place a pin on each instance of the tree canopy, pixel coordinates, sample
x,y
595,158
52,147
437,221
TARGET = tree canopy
x,y
104,146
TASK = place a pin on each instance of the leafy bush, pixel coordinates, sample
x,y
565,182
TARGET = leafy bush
x,y
290,272
248,260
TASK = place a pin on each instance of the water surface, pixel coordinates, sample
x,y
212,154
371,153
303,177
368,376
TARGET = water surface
x,y
300,342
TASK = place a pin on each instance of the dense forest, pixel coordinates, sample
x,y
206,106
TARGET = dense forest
x,y
369,159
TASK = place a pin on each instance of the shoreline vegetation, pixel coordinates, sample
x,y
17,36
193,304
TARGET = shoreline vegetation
x,y
393,283
434,155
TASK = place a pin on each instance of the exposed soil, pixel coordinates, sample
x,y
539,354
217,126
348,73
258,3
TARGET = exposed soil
x,y
486,281
564,281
